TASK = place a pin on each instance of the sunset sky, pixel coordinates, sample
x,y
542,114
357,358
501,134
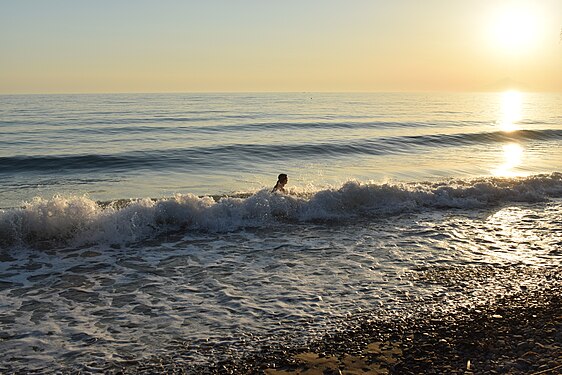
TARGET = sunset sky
x,y
69,46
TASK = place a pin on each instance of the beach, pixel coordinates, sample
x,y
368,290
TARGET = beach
x,y
519,332
281,187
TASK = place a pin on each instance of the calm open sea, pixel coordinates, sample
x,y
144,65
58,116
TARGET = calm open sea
x,y
137,226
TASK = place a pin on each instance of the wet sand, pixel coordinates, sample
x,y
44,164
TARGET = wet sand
x,y
515,333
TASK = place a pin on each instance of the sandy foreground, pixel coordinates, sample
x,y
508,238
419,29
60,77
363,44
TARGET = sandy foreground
x,y
519,332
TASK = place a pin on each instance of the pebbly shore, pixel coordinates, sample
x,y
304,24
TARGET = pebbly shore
x,y
510,333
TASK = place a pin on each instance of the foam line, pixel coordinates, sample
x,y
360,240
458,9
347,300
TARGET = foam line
x,y
73,220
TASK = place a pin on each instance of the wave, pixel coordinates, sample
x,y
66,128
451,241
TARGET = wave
x,y
231,154
82,221
172,125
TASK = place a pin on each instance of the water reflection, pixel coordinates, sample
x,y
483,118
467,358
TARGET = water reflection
x,y
510,115
512,157
514,235
510,111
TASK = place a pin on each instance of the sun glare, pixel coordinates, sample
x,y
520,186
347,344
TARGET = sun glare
x,y
515,29
510,115
512,157
510,110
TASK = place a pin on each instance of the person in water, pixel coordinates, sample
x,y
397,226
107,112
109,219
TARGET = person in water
x,y
282,180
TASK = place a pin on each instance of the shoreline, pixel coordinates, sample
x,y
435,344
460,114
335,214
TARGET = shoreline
x,y
514,329
516,333
519,334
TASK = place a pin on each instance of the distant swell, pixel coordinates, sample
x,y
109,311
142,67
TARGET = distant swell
x,y
81,221
209,156
199,125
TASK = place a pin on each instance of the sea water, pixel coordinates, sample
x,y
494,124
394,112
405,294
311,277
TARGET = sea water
x,y
137,226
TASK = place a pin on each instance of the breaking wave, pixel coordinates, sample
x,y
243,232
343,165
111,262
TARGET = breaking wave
x,y
74,220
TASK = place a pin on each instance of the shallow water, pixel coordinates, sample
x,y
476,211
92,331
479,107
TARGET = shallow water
x,y
214,293
85,284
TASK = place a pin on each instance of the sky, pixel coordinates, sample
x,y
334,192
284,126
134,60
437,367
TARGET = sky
x,y
106,46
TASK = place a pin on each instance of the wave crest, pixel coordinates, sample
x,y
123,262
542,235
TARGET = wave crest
x,y
81,221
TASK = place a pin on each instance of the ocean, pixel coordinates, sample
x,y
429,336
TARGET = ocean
x,y
143,226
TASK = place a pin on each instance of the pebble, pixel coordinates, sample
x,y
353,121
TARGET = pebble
x,y
519,333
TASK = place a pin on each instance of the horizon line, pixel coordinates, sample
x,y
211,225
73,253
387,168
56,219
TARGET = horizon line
x,y
285,92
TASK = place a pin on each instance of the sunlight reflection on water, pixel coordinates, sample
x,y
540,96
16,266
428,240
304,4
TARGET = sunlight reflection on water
x,y
512,157
510,115
510,111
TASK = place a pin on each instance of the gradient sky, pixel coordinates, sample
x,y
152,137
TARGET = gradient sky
x,y
71,46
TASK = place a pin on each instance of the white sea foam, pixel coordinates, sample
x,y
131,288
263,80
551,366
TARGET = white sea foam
x,y
77,220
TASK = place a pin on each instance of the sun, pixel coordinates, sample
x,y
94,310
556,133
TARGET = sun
x,y
515,29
